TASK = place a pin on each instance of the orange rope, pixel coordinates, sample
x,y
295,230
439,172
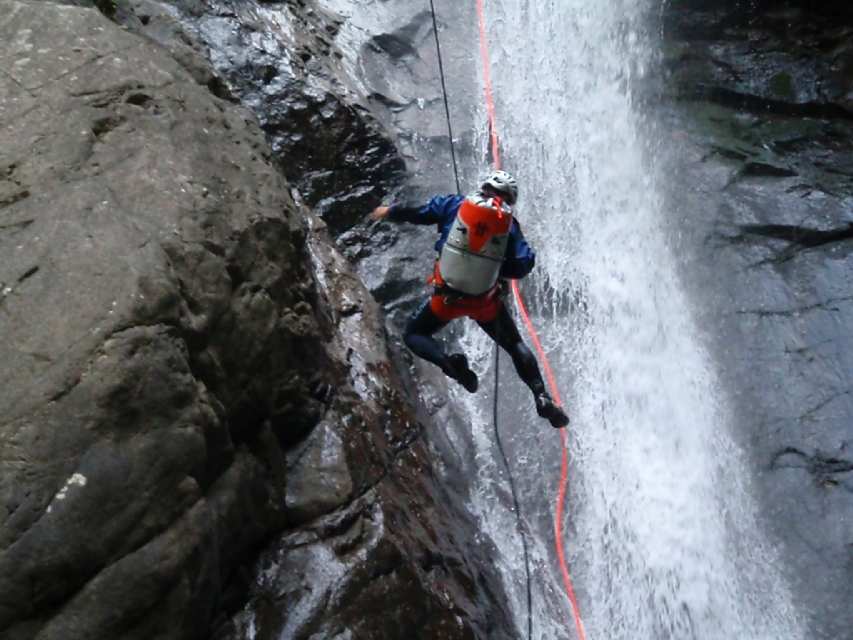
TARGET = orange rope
x,y
549,373
564,466
487,83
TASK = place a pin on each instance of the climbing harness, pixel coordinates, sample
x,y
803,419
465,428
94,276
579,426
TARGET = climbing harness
x,y
549,374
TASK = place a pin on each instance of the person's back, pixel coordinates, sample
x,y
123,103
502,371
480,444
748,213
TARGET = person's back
x,y
480,246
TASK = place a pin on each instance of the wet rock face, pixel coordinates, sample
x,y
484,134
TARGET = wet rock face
x,y
282,60
785,58
376,546
151,269
190,371
765,125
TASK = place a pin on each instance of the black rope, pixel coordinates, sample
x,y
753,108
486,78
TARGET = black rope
x,y
518,518
444,93
515,504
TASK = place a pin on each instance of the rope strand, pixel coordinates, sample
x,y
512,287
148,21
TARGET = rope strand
x,y
564,464
496,159
444,94
518,519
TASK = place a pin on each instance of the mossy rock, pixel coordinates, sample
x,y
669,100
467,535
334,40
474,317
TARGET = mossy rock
x,y
782,86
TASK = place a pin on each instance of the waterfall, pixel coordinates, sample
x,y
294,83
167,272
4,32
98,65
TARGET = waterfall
x,y
662,532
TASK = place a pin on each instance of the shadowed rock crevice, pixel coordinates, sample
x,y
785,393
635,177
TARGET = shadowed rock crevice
x,y
826,305
29,273
798,239
768,107
17,226
801,236
8,201
763,170
401,43
826,470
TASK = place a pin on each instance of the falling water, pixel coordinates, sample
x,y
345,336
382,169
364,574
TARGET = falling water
x,y
661,531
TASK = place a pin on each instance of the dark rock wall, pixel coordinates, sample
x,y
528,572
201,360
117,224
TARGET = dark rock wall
x,y
763,119
196,390
283,61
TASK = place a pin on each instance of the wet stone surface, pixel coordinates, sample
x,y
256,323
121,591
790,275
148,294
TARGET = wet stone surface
x,y
190,368
765,127
284,62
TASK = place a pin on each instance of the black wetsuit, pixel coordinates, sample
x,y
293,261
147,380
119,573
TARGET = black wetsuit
x,y
424,323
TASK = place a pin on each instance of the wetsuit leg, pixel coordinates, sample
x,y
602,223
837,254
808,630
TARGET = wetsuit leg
x,y
503,331
418,336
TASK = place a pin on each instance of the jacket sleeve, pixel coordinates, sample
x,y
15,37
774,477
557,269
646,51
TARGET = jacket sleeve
x,y
436,211
520,258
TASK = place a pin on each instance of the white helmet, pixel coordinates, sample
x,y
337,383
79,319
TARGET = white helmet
x,y
504,184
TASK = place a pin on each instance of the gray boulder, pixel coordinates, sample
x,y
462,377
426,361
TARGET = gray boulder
x,y
173,335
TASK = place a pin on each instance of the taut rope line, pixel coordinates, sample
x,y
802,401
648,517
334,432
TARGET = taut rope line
x,y
499,442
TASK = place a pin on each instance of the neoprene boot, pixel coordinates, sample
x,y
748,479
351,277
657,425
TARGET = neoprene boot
x,y
459,370
546,408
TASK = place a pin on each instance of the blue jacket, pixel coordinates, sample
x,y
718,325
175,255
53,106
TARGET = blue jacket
x,y
441,211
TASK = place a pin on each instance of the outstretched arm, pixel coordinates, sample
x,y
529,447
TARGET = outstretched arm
x,y
434,212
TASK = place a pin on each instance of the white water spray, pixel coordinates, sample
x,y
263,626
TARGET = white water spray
x,y
664,544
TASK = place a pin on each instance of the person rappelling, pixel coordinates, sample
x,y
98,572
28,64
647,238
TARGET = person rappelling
x,y
480,247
